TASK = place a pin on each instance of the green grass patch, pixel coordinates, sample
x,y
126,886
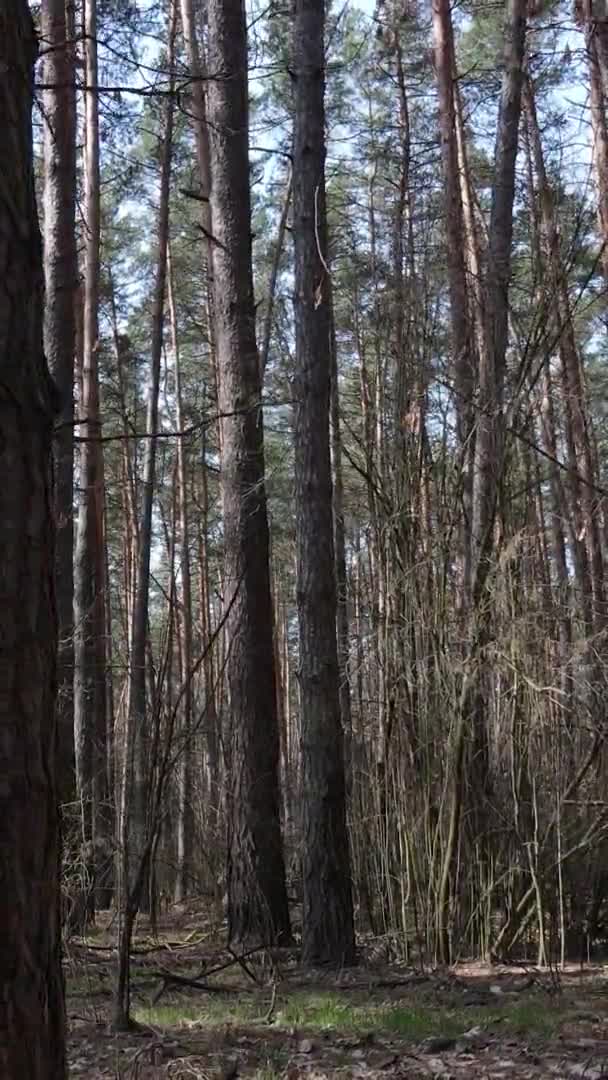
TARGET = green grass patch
x,y
168,1016
274,1065
318,1011
332,1012
324,1012
211,1012
533,1015
270,1070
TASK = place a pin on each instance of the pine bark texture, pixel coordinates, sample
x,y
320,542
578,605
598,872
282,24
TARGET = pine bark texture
x,y
31,987
489,451
60,272
464,362
472,782
596,45
185,820
578,429
257,895
327,934
90,687
140,708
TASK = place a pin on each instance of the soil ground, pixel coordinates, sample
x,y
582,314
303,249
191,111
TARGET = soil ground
x,y
264,1018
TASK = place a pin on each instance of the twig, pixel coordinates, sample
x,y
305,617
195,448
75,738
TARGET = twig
x,y
195,984
155,1044
240,960
317,238
231,963
270,1012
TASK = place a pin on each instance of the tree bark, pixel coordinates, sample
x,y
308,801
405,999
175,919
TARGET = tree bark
x,y
327,929
32,1016
185,820
560,510
196,63
257,895
342,624
582,477
472,250
470,728
136,828
138,718
61,278
89,561
463,343
489,450
274,274
212,719
596,45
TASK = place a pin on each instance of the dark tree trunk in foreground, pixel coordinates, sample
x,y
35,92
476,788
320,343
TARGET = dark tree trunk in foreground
x,y
257,896
61,275
327,932
31,988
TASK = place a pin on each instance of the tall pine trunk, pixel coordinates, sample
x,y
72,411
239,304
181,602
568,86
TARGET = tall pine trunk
x,y
489,449
136,821
139,719
582,478
257,895
470,735
185,820
61,275
327,921
89,562
463,344
596,44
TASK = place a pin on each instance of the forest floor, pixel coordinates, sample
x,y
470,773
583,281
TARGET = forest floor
x,y
264,1018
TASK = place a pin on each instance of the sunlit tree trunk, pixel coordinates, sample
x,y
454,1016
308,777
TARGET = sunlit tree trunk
x,y
61,274
559,510
124,360
89,564
343,637
135,819
489,449
257,896
582,477
274,274
185,823
212,669
32,1016
198,117
463,343
596,45
472,246
471,725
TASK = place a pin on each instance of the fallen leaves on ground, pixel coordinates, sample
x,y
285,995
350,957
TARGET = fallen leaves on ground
x,y
273,1047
